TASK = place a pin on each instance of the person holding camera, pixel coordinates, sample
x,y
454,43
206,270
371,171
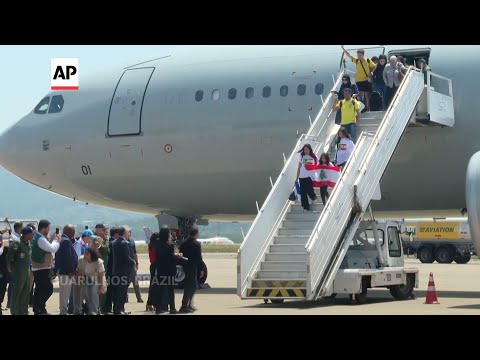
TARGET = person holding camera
x,y
42,262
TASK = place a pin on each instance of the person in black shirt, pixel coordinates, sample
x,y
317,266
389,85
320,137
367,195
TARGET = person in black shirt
x,y
166,262
191,249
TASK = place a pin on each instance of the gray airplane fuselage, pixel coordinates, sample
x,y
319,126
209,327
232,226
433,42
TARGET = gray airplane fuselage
x,y
214,157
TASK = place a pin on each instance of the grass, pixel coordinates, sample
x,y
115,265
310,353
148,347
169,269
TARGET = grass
x,y
143,249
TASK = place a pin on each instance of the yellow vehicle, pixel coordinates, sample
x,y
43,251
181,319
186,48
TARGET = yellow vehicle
x,y
441,239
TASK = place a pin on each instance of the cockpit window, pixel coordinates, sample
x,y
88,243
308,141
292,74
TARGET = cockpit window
x,y
42,106
56,105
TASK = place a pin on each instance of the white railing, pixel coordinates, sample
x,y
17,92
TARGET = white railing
x,y
271,214
364,172
322,242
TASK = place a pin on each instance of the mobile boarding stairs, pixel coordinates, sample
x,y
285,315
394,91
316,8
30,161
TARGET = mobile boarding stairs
x,y
291,254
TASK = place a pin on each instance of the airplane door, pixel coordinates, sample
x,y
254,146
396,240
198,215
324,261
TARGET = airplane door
x,y
440,99
125,115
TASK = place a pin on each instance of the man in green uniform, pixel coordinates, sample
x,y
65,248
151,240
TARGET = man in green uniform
x,y
18,260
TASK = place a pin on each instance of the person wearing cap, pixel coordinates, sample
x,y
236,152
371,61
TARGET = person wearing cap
x,y
18,260
42,262
66,264
78,291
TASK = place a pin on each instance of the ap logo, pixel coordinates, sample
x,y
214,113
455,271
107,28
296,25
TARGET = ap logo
x,y
64,74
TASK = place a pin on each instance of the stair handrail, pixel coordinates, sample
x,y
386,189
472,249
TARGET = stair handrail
x,y
314,273
265,225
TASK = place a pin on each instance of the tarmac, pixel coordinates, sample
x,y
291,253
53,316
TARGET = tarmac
x,y
457,286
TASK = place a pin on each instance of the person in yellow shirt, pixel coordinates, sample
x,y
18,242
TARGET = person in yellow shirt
x,y
350,113
364,74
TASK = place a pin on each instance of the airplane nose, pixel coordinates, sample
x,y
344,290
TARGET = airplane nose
x,y
5,149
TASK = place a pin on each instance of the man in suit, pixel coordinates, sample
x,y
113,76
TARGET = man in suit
x,y
123,265
192,250
107,306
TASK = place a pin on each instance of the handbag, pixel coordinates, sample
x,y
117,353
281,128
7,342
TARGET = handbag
x,y
369,77
292,196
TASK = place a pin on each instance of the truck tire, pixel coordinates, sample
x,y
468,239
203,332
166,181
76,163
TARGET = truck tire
x,y
404,292
425,255
361,298
443,255
462,259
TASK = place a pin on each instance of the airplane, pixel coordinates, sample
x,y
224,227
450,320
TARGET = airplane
x,y
197,132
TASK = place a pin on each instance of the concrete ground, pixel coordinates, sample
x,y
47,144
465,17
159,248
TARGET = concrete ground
x,y
457,287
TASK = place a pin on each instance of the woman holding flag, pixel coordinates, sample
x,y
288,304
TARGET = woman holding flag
x,y
324,161
307,157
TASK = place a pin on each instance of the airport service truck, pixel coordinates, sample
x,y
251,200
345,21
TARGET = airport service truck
x,y
375,262
441,239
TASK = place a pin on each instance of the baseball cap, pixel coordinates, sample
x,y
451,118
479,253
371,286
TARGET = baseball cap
x,y
100,226
27,230
88,232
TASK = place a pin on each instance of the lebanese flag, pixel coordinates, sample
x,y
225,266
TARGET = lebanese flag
x,y
323,175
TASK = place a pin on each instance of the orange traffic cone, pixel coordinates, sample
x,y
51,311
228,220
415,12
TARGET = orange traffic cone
x,y
431,292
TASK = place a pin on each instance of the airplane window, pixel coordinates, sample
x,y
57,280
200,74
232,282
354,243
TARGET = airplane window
x,y
249,93
302,89
267,90
319,89
284,90
56,105
199,95
215,95
42,106
232,93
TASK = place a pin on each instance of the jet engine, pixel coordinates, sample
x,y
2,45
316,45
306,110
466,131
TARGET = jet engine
x,y
472,193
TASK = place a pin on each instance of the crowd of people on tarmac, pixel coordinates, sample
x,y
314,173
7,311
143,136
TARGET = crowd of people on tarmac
x,y
94,270
373,76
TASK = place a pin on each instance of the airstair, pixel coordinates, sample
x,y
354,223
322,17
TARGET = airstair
x,y
288,253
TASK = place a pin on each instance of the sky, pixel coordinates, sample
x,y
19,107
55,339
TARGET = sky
x,y
25,79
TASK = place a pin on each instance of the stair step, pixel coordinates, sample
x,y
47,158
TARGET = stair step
x,y
284,265
277,293
304,215
288,256
281,274
275,248
283,231
299,224
274,283
297,208
292,240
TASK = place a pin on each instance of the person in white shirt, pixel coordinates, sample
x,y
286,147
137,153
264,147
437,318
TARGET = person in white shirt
x,y
307,157
42,263
17,230
91,272
345,147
